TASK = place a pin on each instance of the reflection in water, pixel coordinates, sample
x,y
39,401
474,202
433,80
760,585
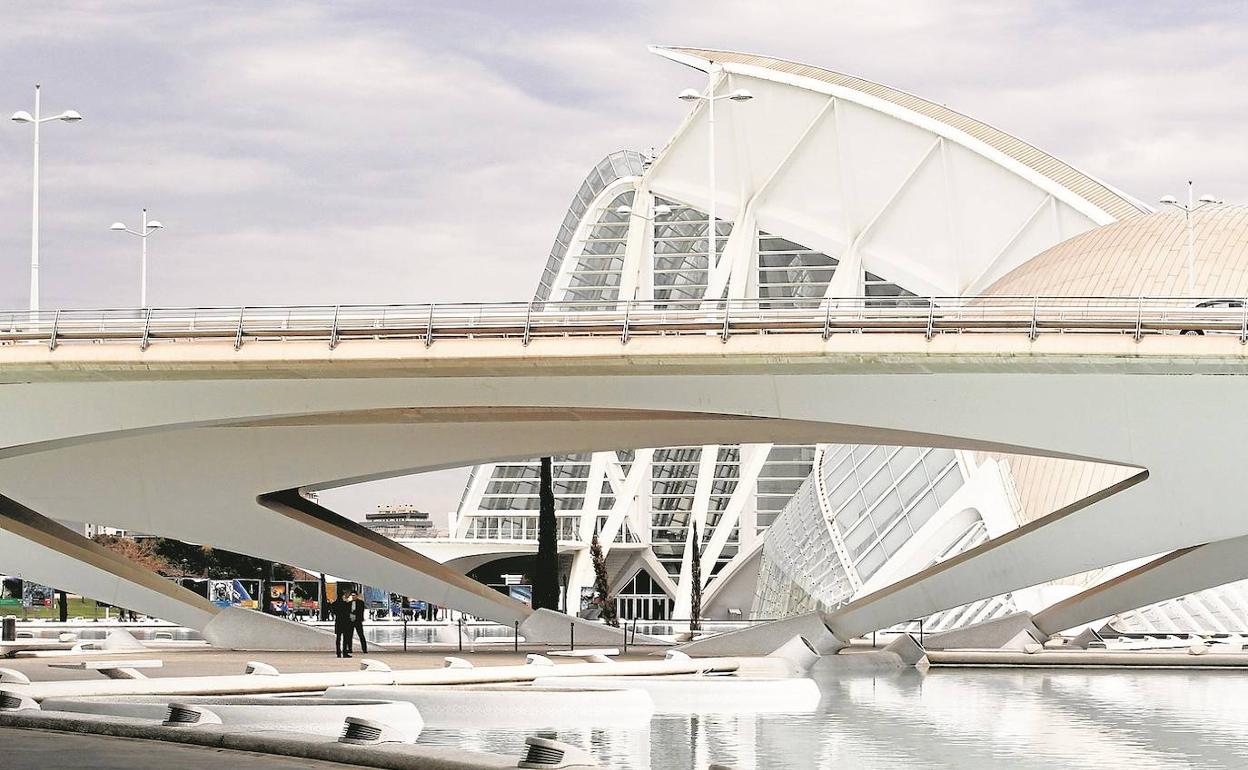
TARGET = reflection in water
x,y
950,718
88,633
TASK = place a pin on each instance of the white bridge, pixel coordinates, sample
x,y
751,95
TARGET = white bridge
x,y
210,438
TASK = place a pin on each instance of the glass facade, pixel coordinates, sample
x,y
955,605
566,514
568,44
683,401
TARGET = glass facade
x,y
587,264
617,165
596,275
879,497
681,253
788,270
857,511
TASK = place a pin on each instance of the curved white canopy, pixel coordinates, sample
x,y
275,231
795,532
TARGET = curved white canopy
x,y
902,187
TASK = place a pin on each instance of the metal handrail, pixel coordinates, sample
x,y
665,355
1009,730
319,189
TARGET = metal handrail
x,y
1032,316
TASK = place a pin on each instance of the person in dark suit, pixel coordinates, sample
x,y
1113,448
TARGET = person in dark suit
x,y
341,610
357,620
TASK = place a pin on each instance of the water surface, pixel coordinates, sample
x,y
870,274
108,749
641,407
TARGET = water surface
x,y
963,718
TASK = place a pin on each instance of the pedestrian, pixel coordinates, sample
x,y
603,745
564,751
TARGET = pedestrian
x,y
357,620
341,610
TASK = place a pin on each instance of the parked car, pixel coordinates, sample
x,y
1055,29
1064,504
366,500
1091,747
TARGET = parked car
x,y
1215,303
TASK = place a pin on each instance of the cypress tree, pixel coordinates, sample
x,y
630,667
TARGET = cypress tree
x,y
601,587
546,567
695,598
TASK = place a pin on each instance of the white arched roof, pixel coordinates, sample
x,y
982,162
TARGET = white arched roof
x,y
883,180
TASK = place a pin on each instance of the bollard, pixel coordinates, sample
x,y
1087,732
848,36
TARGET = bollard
x,y
626,636
571,636
515,636
404,632
461,633
8,629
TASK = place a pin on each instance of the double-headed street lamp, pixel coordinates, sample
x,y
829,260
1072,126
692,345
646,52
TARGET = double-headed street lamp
x,y
690,95
660,210
68,116
147,229
1189,208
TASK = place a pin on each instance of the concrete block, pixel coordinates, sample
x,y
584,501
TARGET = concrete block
x,y
867,663
1084,638
1009,632
906,649
766,638
799,653
235,628
555,628
121,640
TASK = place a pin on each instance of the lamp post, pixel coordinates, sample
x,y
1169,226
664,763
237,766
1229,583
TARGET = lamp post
x,y
690,95
660,210
1188,209
147,229
22,116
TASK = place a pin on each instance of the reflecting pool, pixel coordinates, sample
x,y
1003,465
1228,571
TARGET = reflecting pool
x,y
961,718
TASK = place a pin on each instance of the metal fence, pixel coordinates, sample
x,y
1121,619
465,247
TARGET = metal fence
x,y
930,316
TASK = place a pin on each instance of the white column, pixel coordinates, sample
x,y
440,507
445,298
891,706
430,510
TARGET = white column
x,y
1191,243
143,263
34,217
712,74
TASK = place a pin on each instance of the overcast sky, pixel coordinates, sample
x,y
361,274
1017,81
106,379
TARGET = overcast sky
x,y
409,152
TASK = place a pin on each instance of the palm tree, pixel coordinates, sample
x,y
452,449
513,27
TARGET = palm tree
x,y
546,567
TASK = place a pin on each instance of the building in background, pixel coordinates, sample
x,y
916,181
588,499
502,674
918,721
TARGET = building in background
x,y
401,522
826,186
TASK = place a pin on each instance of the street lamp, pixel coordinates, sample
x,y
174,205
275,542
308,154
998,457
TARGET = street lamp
x,y
1188,209
147,229
22,116
690,95
660,210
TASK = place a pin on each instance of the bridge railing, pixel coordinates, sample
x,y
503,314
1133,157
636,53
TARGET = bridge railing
x,y
428,323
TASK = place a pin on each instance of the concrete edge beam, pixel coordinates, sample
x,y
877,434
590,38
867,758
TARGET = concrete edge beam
x,y
387,756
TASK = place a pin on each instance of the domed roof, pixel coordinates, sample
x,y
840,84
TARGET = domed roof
x,y
1141,256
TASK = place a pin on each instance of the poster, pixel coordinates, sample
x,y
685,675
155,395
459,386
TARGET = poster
x,y
36,595
279,598
521,594
227,593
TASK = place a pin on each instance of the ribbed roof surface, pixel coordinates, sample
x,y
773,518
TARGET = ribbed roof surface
x,y
1072,179
1142,256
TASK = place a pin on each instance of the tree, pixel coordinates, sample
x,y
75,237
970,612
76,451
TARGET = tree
x,y
695,598
173,558
602,597
144,553
546,566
